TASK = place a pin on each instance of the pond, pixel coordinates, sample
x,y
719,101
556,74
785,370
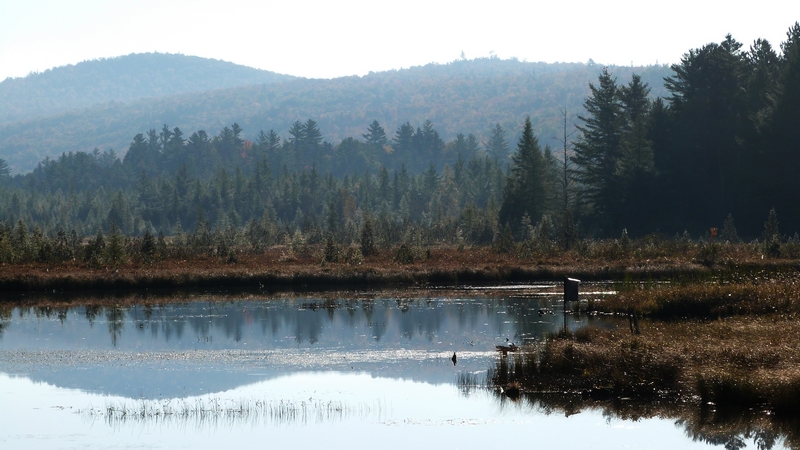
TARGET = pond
x,y
333,370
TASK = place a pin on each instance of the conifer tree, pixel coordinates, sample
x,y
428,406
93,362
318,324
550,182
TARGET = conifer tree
x,y
368,247
95,251
526,189
114,252
728,232
148,246
5,171
597,152
772,236
497,147
375,136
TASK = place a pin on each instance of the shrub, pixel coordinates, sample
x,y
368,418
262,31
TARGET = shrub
x,y
404,255
332,252
368,247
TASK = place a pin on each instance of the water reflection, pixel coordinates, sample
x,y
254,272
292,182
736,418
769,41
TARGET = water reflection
x,y
731,428
371,365
356,409
347,323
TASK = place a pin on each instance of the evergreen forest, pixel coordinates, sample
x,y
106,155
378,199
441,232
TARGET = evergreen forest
x,y
463,96
718,150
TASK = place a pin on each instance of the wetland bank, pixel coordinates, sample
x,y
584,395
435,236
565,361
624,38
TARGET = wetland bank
x,y
713,364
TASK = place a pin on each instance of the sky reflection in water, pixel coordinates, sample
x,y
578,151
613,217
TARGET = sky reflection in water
x,y
264,371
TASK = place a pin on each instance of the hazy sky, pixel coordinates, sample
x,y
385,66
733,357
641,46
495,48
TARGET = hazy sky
x,y
330,38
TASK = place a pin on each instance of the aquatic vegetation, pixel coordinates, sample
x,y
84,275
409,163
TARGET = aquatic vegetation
x,y
739,361
742,293
247,411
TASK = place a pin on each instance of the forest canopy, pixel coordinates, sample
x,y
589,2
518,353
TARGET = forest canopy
x,y
469,96
720,145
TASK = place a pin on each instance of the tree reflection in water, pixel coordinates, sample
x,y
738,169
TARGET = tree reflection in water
x,y
5,318
731,428
115,317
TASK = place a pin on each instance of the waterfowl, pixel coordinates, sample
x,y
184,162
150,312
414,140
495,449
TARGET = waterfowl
x,y
509,347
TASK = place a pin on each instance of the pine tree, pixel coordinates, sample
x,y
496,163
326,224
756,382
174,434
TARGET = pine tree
x,y
781,149
148,246
597,152
114,252
728,232
297,139
5,171
95,251
312,142
368,247
707,158
375,136
497,147
636,165
403,145
22,245
772,236
525,190
331,249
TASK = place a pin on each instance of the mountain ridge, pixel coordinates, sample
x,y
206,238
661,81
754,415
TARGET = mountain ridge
x,y
464,96
122,79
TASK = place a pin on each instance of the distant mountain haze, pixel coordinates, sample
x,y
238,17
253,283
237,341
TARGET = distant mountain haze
x,y
137,93
121,79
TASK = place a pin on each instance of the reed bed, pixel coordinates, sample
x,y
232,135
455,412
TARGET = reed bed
x,y
733,362
271,269
201,411
757,291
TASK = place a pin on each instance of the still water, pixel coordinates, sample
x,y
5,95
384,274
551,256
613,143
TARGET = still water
x,y
351,370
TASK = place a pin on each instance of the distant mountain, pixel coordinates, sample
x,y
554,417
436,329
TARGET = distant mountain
x,y
120,79
459,97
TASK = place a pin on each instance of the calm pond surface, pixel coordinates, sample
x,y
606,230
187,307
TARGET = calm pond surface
x,y
355,370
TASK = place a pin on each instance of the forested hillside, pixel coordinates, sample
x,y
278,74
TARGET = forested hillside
x,y
120,79
460,97
715,156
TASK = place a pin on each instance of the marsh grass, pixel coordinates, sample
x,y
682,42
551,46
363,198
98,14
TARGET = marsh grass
x,y
202,411
291,266
469,382
728,341
745,362
712,379
733,293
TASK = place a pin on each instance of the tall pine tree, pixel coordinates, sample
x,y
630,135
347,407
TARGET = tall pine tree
x,y
525,191
598,150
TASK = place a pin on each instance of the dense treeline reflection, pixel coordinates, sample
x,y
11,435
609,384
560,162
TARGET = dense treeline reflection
x,y
343,323
732,428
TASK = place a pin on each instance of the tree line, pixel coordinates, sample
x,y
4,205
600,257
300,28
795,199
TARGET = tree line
x,y
169,184
722,144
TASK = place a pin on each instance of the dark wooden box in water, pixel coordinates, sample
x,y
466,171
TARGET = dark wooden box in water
x,y
571,290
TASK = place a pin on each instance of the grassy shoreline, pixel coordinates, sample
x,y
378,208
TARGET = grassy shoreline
x,y
272,269
730,343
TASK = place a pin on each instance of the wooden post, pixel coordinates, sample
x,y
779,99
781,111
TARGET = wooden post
x,y
570,295
633,321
